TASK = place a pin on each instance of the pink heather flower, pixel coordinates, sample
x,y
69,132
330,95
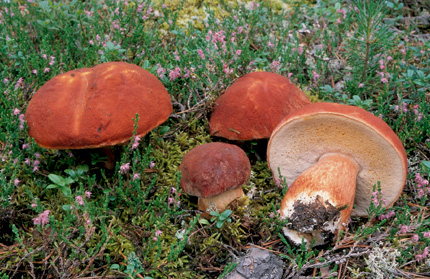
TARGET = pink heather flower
x,y
19,83
174,74
88,194
33,205
124,168
227,69
238,52
403,229
176,54
34,72
415,238
170,200
384,80
381,64
271,215
158,233
420,257
35,168
396,107
274,66
152,165
361,85
416,109
91,42
136,176
16,111
426,234
160,71
338,21
5,80
115,24
16,181
27,161
26,146
420,193
44,56
343,12
136,142
79,200
315,76
389,58
278,182
46,70
420,116
270,44
201,54
405,107
42,219
173,190
98,37
403,51
290,75
389,215
300,50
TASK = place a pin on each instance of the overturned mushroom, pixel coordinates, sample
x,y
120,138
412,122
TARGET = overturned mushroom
x,y
95,107
253,105
332,155
215,173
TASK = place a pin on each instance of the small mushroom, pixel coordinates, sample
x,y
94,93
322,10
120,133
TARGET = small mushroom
x,y
332,155
95,107
253,105
215,173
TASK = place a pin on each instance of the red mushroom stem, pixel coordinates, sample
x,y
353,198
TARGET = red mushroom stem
x,y
320,201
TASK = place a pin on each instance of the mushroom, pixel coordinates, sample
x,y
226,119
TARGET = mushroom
x,y
95,107
253,105
332,155
215,172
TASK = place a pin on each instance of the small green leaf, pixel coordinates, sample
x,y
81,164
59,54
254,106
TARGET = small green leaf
x,y
425,166
57,179
114,266
214,213
52,186
67,207
66,191
163,129
204,222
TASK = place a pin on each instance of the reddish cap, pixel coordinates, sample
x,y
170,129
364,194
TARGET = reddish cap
x,y
95,107
213,168
253,105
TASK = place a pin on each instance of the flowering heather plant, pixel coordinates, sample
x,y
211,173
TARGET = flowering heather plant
x,y
62,215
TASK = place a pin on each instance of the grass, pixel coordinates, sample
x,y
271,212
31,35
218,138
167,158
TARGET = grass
x,y
62,214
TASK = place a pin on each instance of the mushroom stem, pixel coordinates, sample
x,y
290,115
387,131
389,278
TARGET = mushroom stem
x,y
219,202
320,201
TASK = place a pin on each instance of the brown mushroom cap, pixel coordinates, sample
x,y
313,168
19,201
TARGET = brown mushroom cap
x,y
253,105
304,136
213,168
95,107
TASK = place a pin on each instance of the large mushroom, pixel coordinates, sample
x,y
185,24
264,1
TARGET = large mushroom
x,y
333,155
253,105
215,173
95,107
